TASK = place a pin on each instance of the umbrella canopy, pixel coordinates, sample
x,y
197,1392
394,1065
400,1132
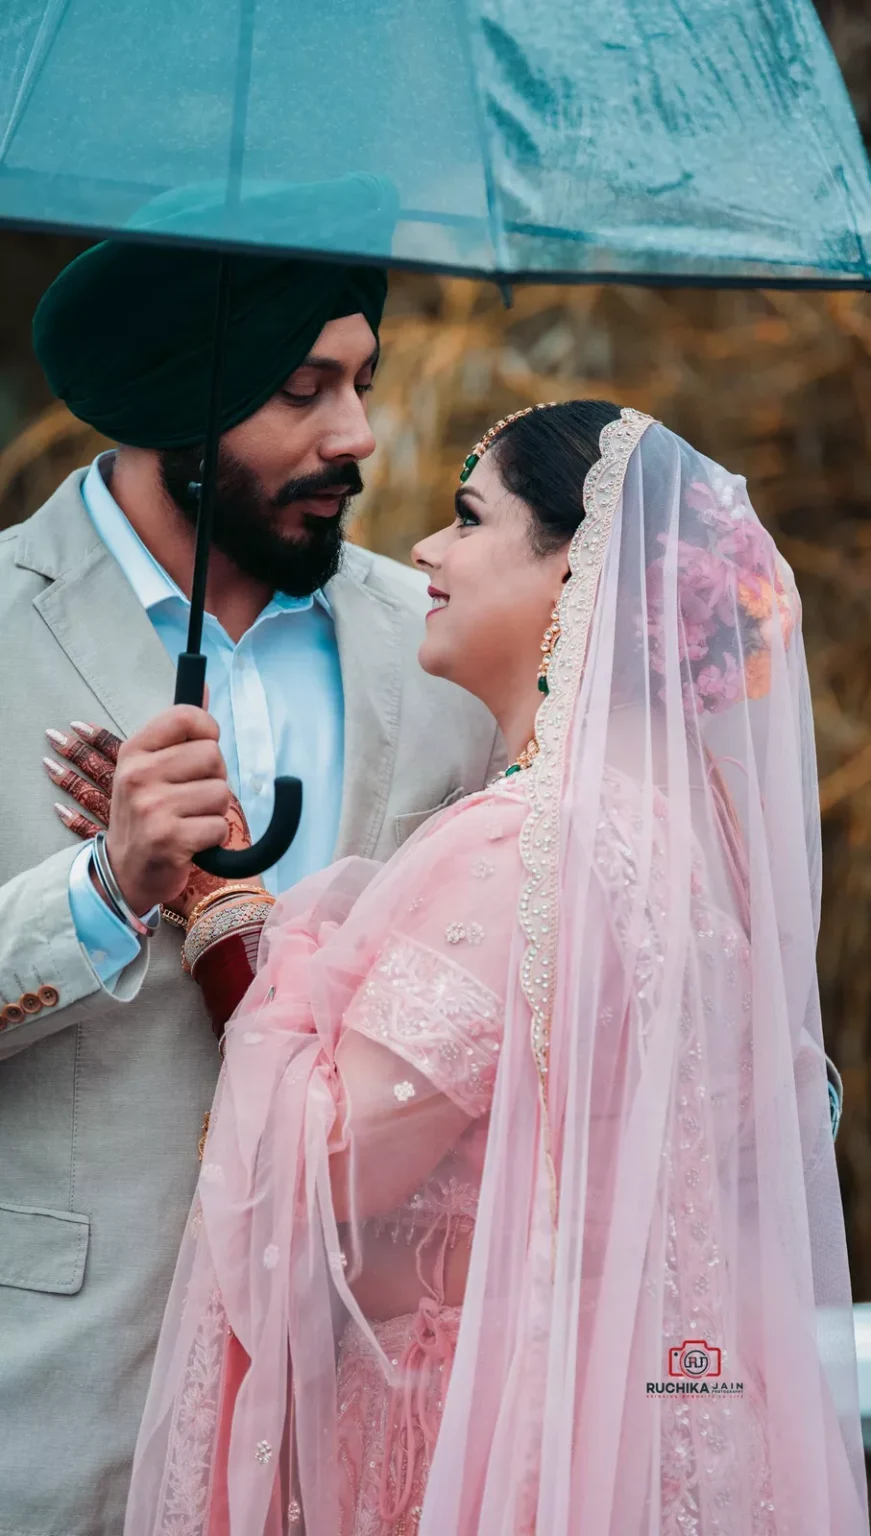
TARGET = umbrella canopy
x,y
633,139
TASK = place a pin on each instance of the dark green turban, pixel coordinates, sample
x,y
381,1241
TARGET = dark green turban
x,y
125,334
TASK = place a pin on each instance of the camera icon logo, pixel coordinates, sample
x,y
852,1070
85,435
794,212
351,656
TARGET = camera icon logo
x,y
694,1358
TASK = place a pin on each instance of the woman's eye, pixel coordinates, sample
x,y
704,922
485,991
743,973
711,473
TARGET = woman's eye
x,y
467,519
364,389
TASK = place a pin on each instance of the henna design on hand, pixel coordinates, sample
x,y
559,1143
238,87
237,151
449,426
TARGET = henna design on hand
x,y
86,795
95,750
77,823
100,739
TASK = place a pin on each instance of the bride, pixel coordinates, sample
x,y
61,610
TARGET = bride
x,y
518,1210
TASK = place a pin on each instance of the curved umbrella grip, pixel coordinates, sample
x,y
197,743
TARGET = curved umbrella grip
x,y
242,863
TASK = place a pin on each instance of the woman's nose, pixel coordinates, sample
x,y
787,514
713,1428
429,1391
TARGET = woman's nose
x,y
420,555
427,553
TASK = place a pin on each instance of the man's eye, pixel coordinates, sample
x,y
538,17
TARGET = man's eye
x,y
295,397
364,389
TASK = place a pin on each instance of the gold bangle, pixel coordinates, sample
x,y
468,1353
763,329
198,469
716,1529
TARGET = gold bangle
x,y
221,894
242,915
175,919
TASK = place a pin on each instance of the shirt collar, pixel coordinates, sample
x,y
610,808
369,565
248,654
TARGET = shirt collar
x,y
151,583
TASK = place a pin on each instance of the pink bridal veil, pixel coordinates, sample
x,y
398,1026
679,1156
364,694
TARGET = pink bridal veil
x,y
601,971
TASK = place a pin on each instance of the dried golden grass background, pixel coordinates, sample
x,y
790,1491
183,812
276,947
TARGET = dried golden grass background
x,y
776,386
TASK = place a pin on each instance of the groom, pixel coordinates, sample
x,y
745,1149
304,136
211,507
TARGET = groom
x,y
107,1059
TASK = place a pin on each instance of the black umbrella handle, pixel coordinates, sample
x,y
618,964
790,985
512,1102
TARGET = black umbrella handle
x,y
242,863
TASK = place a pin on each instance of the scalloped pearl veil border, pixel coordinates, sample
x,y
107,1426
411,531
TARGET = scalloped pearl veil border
x,y
539,838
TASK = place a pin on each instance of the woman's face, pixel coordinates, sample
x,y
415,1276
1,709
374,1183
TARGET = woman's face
x,y
492,595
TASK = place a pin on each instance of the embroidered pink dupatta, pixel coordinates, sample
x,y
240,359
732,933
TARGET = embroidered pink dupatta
x,y
569,1039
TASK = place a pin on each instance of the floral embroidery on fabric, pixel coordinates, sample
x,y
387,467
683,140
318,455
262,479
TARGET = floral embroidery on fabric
x,y
263,1453
379,1466
444,1202
403,1091
482,870
437,1016
704,1445
705,1448
270,1256
473,933
184,1508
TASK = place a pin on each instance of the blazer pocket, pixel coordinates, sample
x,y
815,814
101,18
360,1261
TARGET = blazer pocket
x,y
403,826
43,1250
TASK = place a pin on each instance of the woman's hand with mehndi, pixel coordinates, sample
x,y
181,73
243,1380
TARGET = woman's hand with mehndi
x,y
87,775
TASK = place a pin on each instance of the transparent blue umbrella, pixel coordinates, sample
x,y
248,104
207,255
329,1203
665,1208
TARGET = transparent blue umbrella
x,y
555,140
571,139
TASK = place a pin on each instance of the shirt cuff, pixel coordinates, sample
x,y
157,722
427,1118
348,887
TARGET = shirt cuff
x,y
109,944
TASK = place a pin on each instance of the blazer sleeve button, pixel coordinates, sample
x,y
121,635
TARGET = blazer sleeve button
x,y
48,996
12,1014
30,1002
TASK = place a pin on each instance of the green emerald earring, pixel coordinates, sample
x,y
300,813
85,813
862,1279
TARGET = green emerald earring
x,y
551,636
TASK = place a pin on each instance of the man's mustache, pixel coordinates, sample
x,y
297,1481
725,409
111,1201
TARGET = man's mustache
x,y
336,477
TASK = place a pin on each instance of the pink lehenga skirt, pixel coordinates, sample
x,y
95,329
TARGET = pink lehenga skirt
x,y
387,1433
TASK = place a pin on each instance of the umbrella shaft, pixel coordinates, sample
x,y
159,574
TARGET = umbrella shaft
x,y
209,472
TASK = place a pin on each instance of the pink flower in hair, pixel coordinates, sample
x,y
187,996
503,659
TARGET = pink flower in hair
x,y
720,686
732,594
721,504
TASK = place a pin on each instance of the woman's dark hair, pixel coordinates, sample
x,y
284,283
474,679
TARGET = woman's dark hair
x,y
544,458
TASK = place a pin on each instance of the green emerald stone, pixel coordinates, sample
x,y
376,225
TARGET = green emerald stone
x,y
471,461
542,684
515,768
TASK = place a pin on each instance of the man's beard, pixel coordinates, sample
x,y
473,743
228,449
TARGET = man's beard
x,y
247,524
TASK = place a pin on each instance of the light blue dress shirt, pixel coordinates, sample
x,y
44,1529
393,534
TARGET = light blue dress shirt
x,y
277,697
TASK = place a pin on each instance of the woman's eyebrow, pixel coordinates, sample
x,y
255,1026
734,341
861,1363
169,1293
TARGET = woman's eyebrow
x,y
463,495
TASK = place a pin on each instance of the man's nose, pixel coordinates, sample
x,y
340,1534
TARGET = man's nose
x,y
349,435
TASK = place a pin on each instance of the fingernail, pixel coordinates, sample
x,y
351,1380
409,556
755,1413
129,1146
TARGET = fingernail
x,y
55,769
58,739
82,729
66,815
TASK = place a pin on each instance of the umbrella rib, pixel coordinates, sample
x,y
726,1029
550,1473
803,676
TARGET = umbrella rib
x,y
497,232
45,36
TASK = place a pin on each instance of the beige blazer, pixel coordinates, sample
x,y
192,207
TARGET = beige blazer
x,y
102,1097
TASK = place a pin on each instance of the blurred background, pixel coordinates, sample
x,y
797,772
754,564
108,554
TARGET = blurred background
x,y
776,386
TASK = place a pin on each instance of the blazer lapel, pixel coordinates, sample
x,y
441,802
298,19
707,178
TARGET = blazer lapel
x,y
369,632
94,614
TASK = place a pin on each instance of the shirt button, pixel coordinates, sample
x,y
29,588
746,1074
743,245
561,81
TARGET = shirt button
x,y
12,1014
48,996
255,783
30,1002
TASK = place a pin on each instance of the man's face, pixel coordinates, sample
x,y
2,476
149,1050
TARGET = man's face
x,y
286,474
